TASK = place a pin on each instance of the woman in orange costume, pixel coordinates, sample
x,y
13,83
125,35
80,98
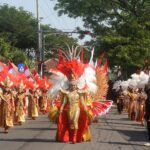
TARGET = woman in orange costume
x,y
75,109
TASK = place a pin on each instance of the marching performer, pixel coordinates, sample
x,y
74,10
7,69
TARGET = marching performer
x,y
43,101
7,107
20,104
140,106
120,100
33,104
76,106
132,103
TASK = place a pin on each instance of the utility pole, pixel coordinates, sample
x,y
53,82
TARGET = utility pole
x,y
40,60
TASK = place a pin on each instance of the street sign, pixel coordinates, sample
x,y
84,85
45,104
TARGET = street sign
x,y
21,68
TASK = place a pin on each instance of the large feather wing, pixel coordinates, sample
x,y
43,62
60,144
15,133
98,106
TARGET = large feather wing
x,y
59,81
102,84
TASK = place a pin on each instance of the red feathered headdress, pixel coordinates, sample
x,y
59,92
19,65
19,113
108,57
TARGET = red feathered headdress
x,y
69,67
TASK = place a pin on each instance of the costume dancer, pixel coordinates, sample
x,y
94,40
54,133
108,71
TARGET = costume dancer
x,y
6,106
78,103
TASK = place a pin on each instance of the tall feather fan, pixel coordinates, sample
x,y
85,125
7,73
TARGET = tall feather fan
x,y
59,81
102,85
88,79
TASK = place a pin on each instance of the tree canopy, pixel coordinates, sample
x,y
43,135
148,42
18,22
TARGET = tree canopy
x,y
121,28
19,25
10,53
18,33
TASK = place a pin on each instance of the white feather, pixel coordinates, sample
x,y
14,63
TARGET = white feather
x,y
124,85
133,83
88,79
135,77
91,58
59,80
143,80
117,85
92,87
81,82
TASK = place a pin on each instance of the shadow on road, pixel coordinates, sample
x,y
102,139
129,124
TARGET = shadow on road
x,y
131,135
122,143
29,140
36,129
126,124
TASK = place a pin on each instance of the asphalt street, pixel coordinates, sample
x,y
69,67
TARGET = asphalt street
x,y
112,132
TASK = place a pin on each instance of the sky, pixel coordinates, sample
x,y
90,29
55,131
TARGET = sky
x,y
49,15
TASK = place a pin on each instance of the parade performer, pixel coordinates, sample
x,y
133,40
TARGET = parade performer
x,y
121,95
120,102
132,103
126,101
33,107
140,106
6,106
76,107
43,101
20,104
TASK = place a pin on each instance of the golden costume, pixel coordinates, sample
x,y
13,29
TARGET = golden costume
x,y
126,102
44,102
73,111
20,108
140,107
6,110
132,105
33,105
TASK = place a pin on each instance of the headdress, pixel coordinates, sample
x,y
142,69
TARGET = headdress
x,y
71,70
43,83
72,79
136,81
22,86
7,82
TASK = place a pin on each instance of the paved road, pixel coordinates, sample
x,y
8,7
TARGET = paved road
x,y
112,132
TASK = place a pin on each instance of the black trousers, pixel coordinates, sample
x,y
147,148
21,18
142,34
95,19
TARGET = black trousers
x,y
148,128
120,106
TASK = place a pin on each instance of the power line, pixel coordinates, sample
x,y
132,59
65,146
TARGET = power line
x,y
63,21
50,16
47,17
60,17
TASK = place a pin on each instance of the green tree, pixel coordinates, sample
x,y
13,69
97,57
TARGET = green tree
x,y
10,53
19,25
120,27
19,28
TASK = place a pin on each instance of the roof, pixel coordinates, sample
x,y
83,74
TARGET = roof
x,y
50,64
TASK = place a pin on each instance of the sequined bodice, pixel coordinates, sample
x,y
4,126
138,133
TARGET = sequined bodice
x,y
73,98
